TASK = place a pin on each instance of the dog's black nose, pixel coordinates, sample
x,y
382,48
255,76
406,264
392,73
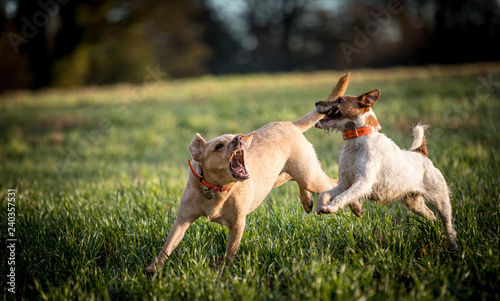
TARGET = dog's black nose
x,y
317,103
237,139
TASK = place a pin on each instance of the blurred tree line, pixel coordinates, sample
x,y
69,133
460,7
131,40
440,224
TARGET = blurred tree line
x,y
76,42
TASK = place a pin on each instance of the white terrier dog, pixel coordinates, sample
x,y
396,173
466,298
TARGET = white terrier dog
x,y
373,167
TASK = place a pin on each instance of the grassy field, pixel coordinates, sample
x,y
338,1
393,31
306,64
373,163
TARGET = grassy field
x,y
98,174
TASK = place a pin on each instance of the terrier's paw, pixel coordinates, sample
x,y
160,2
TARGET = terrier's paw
x,y
325,210
320,210
356,209
329,209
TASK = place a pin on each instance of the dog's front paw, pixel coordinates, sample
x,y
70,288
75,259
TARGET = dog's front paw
x,y
323,200
356,208
334,208
151,268
320,209
326,210
154,267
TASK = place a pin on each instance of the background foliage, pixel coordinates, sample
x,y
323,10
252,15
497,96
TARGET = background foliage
x,y
77,42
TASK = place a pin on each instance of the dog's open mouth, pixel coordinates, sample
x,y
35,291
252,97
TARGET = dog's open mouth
x,y
333,113
237,165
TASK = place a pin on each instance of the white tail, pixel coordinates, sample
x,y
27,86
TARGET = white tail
x,y
419,145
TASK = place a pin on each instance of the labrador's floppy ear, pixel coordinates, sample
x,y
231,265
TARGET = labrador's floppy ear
x,y
197,146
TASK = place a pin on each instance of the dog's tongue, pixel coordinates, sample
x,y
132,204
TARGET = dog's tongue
x,y
237,165
239,169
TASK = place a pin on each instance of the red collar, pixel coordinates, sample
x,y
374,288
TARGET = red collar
x,y
208,186
362,131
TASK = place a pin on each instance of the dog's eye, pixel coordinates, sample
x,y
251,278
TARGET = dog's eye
x,y
340,100
219,146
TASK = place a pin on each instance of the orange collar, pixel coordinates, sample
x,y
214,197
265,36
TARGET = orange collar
x,y
208,186
362,131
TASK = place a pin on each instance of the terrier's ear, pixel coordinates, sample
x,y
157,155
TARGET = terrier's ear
x,y
197,146
248,139
340,87
369,99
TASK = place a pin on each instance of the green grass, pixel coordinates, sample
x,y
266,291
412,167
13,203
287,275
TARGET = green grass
x,y
99,172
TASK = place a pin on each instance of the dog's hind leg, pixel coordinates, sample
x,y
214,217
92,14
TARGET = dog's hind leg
x,y
416,203
306,199
318,182
442,204
305,196
312,179
437,194
305,169
282,179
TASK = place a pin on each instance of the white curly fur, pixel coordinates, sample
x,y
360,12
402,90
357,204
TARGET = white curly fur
x,y
373,167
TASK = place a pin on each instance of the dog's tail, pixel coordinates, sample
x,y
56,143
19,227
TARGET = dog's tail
x,y
419,145
308,120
